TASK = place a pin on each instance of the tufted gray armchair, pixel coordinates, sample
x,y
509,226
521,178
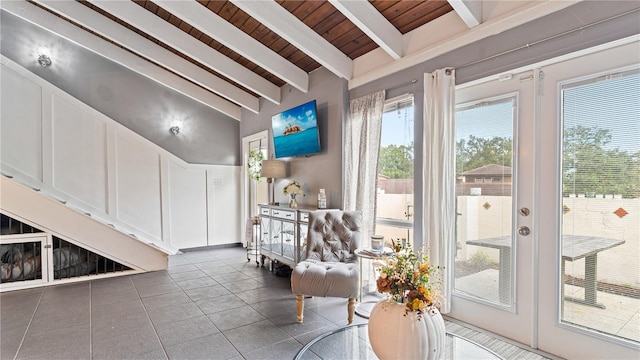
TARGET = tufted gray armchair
x,y
330,267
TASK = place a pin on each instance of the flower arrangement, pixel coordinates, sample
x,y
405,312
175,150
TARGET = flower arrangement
x,y
293,189
254,164
410,279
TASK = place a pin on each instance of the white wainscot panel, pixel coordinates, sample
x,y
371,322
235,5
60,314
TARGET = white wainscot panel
x,y
79,154
188,200
138,186
224,205
21,125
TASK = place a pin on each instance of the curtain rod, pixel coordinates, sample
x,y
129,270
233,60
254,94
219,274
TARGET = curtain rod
x,y
448,72
401,85
527,45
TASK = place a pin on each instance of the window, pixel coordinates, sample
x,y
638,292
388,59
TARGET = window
x,y
395,199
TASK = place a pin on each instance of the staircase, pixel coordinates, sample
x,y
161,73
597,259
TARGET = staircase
x,y
73,245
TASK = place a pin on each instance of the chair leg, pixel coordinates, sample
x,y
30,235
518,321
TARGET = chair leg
x,y
351,308
300,306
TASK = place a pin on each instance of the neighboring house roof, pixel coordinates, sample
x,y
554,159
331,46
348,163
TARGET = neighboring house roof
x,y
489,170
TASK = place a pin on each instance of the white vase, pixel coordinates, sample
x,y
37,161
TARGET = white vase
x,y
395,336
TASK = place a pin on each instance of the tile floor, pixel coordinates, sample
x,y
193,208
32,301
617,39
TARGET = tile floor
x,y
208,305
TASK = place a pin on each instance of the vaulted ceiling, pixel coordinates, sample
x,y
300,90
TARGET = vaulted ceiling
x,y
236,52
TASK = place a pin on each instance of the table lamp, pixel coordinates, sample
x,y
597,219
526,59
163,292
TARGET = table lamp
x,y
273,169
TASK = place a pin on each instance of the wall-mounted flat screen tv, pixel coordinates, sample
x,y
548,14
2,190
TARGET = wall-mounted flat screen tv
x,y
295,131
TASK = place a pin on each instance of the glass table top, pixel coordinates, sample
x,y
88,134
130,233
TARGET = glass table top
x,y
352,342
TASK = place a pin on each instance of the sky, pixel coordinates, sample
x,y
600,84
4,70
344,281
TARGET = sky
x,y
612,104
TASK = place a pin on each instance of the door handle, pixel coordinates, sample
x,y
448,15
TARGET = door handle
x,y
524,230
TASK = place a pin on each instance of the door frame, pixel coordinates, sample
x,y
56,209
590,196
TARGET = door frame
x,y
245,205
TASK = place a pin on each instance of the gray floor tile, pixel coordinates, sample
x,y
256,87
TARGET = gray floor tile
x,y
111,284
207,292
233,318
335,312
114,297
188,275
154,355
276,307
220,303
289,324
158,289
116,310
243,285
183,331
196,283
127,345
115,326
230,277
258,322
214,346
262,334
264,293
165,300
10,341
72,343
151,278
177,260
62,318
66,290
210,265
307,337
283,350
181,268
173,314
225,269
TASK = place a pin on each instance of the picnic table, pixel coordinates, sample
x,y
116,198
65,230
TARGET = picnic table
x,y
574,247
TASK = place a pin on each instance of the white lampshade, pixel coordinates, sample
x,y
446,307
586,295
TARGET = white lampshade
x,y
273,169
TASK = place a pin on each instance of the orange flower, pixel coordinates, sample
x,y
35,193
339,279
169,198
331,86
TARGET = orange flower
x,y
383,285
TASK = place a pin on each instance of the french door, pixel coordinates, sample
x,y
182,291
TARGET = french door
x,y
548,196
495,206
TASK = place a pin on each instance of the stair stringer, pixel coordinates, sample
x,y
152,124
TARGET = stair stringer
x,y
51,216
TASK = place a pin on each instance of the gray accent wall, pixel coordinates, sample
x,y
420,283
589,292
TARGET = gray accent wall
x,y
321,170
133,100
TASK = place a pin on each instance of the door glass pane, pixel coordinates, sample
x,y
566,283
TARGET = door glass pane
x,y
601,204
484,150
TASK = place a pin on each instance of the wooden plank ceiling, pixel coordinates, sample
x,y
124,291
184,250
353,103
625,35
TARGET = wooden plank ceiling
x,y
280,53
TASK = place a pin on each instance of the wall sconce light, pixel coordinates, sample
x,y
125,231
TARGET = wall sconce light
x,y
44,60
175,130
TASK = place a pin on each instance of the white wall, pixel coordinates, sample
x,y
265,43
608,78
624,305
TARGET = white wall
x,y
53,142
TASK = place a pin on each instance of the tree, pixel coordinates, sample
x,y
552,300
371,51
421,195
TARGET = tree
x,y
396,161
587,166
475,152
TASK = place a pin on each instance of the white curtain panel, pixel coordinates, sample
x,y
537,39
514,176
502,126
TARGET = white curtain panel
x,y
362,145
438,173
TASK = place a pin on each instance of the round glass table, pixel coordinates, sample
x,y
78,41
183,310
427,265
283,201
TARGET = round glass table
x,y
352,342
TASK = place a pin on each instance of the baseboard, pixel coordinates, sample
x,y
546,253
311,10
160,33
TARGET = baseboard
x,y
211,247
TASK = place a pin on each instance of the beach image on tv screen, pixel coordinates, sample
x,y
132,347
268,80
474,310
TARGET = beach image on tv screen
x,y
295,131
